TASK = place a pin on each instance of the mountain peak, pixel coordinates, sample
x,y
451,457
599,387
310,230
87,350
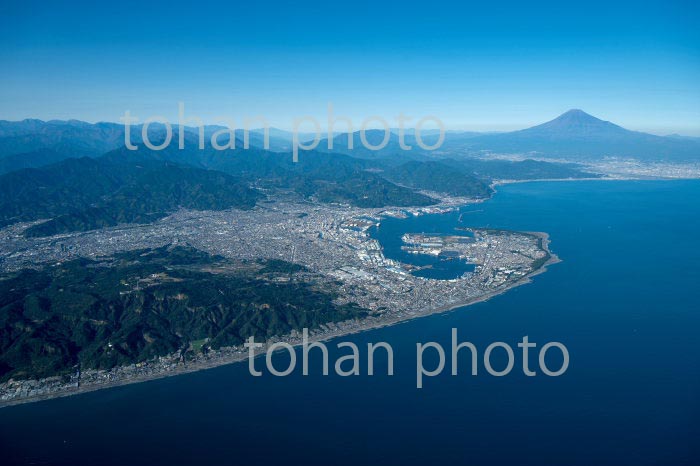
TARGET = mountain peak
x,y
576,123
575,111
577,115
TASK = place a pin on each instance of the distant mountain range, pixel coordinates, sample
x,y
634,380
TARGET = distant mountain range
x,y
574,135
141,186
34,143
79,176
67,138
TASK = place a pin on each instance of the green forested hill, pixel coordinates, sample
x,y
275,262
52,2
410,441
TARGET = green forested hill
x,y
141,304
520,170
320,176
83,194
141,186
440,177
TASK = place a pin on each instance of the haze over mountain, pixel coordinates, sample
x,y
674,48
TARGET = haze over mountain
x,y
375,138
71,138
576,135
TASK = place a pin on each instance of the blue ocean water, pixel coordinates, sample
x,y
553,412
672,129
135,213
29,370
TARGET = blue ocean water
x,y
391,230
624,301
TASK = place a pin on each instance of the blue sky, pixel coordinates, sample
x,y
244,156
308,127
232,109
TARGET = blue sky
x,y
482,65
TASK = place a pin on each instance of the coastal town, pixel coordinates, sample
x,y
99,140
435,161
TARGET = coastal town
x,y
330,240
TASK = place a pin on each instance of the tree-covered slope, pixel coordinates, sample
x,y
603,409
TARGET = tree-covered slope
x,y
439,177
83,194
318,176
146,303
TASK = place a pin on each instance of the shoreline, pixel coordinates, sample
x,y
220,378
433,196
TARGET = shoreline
x,y
361,326
241,357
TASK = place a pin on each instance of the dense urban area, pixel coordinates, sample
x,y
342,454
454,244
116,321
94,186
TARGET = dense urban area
x,y
330,241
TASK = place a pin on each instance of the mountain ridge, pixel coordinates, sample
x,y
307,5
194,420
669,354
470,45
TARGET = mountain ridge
x,y
574,135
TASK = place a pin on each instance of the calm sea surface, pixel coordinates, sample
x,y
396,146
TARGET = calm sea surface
x,y
624,301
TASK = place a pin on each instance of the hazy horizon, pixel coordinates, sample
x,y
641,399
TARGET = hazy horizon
x,y
341,128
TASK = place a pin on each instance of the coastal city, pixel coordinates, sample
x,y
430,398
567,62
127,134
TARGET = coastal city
x,y
456,233
332,241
